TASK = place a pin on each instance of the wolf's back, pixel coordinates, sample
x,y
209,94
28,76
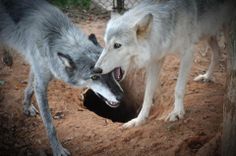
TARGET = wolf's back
x,y
23,23
12,13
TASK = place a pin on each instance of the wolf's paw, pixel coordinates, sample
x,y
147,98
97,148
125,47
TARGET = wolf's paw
x,y
175,115
134,123
60,151
30,111
204,78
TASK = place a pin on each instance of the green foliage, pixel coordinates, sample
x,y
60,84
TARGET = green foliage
x,y
69,3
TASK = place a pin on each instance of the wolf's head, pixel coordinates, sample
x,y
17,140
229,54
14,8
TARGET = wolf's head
x,y
79,71
125,43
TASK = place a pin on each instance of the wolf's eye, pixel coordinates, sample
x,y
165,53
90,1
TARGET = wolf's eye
x,y
117,45
95,77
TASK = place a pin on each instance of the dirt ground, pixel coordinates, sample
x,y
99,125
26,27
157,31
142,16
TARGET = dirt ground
x,y
85,133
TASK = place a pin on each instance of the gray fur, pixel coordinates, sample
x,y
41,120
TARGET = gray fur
x,y
54,48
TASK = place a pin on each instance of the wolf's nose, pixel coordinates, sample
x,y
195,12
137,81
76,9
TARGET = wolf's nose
x,y
119,98
97,71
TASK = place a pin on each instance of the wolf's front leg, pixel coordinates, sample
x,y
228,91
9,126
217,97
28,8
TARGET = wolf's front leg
x,y
185,66
29,108
152,81
40,88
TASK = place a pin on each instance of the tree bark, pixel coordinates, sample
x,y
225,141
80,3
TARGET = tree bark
x,y
229,110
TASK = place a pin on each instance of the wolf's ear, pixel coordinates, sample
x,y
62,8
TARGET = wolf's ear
x,y
93,38
144,26
67,61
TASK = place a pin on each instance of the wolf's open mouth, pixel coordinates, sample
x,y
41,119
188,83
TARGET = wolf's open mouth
x,y
118,73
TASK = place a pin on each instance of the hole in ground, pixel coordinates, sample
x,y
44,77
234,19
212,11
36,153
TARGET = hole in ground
x,y
123,113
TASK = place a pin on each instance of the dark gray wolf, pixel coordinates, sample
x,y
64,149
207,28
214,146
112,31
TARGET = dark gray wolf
x,y
54,48
144,35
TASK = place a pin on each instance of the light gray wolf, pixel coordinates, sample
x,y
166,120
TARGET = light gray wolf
x,y
143,36
54,48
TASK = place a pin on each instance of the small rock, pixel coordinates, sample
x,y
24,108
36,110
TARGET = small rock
x,y
202,134
23,82
185,121
58,115
171,128
205,117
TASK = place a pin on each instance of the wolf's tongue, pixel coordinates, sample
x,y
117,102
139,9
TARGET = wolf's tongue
x,y
118,74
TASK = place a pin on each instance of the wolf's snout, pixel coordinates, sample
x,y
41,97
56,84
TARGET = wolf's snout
x,y
97,71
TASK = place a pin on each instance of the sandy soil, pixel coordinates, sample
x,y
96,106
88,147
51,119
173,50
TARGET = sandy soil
x,y
85,133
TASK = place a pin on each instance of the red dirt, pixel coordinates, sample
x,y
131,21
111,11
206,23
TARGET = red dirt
x,y
85,133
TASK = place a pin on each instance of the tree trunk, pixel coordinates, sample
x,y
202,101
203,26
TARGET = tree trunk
x,y
229,123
